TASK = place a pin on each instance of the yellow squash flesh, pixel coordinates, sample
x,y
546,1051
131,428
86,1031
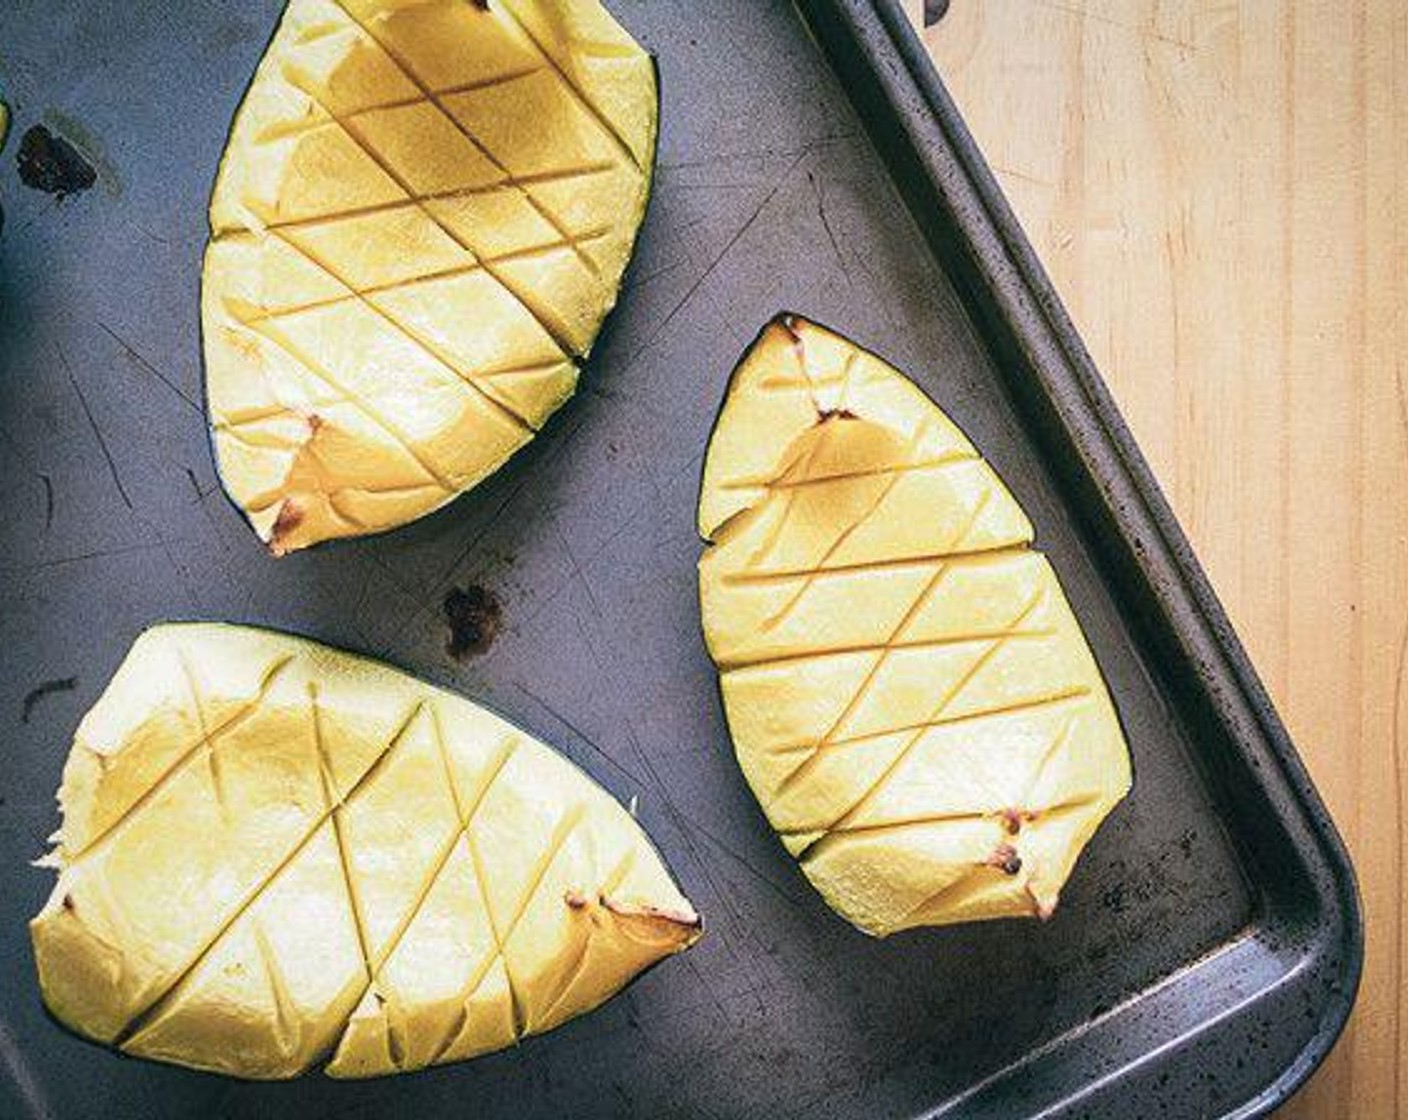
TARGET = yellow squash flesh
x,y
909,694
275,855
421,219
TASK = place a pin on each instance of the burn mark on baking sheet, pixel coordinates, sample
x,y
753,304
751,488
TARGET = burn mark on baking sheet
x,y
49,163
36,694
474,617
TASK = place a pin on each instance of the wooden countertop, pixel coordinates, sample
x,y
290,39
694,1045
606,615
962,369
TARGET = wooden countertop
x,y
1220,193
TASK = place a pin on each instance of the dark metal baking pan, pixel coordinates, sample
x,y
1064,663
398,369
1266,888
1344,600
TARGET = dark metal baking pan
x,y
1208,946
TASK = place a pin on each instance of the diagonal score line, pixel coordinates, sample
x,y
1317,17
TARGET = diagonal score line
x,y
883,647
239,417
439,864
774,483
337,505
613,880
952,817
1070,803
336,811
287,131
970,556
948,697
810,383
1023,802
575,89
401,182
415,199
844,395
803,768
949,889
231,423
336,500
431,99
1080,801
503,936
775,620
368,290
561,834
466,816
947,720
775,532
217,772
524,368
1053,749
284,1030
167,775
263,330
152,1008
463,375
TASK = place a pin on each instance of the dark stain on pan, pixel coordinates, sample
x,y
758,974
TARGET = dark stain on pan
x,y
49,163
474,617
47,688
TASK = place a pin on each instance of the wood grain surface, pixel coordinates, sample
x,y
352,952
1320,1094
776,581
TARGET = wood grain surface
x,y
1220,192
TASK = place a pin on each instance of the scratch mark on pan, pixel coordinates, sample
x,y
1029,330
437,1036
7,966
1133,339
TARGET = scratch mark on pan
x,y
632,776
181,573
144,364
492,520
13,1061
48,501
682,823
826,222
724,252
47,688
578,733
664,269
98,554
734,158
391,577
767,880
582,579
97,432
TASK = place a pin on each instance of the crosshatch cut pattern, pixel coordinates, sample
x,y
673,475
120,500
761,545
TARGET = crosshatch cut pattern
x,y
373,874
421,221
910,695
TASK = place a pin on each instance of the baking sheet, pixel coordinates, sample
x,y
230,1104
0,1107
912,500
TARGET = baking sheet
x,y
771,192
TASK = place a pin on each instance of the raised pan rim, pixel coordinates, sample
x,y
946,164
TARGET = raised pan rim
x,y
1001,252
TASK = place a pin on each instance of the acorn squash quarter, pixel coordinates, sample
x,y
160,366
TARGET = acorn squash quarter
x,y
909,694
421,219
276,855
